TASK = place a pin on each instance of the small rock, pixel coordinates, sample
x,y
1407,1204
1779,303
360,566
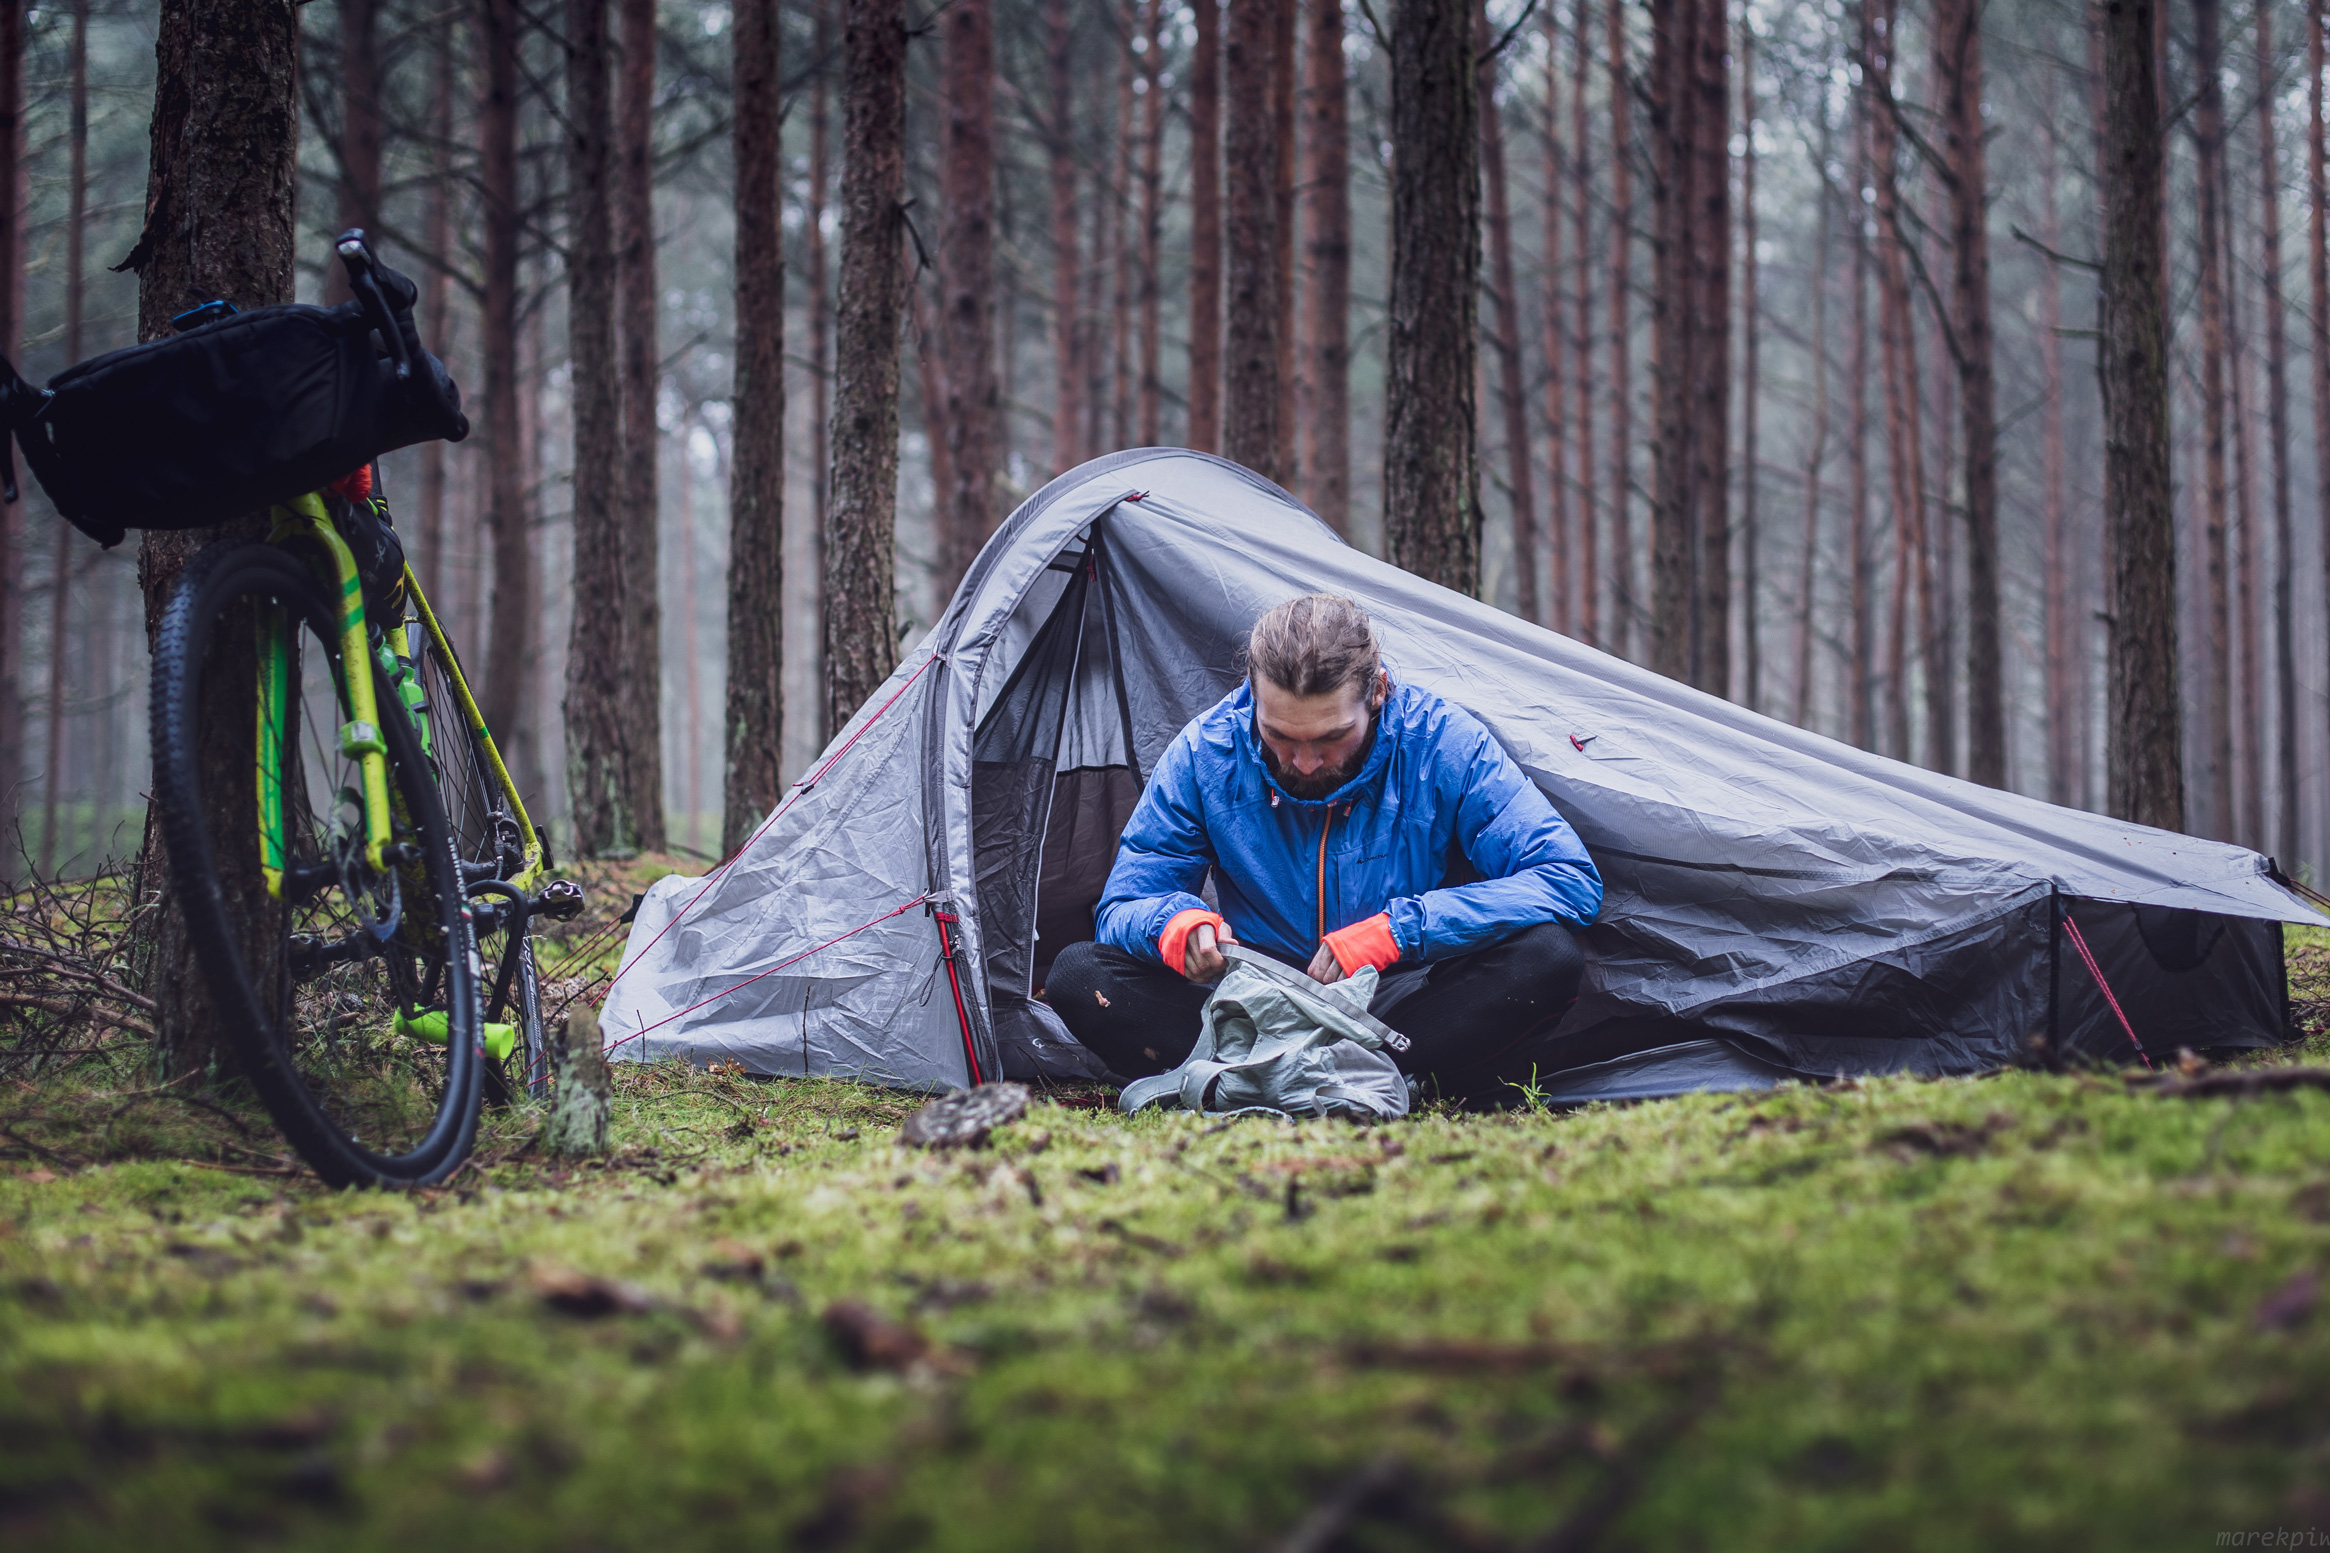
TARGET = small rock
x,y
964,1118
870,1340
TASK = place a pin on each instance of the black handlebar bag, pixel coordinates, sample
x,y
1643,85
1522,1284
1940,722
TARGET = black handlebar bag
x,y
236,415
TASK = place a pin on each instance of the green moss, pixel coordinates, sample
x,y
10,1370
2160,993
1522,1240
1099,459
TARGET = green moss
x,y
2032,1310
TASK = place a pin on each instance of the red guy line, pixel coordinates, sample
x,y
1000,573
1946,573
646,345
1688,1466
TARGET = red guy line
x,y
800,787
895,911
2079,942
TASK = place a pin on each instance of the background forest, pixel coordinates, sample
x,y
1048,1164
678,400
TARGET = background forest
x,y
1073,251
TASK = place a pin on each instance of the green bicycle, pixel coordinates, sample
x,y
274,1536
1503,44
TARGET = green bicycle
x,y
375,957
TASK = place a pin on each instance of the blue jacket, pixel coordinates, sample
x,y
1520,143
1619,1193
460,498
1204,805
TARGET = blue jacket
x,y
1434,784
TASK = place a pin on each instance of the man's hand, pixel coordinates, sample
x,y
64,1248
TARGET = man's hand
x,y
1202,960
1324,966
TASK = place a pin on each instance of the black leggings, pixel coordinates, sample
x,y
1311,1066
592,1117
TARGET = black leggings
x,y
1462,1014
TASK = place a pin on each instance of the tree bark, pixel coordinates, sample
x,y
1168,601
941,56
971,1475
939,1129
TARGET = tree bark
x,y
1284,117
820,333
2318,276
1860,687
507,666
1958,43
1624,602
1512,391
1205,231
596,791
1557,352
2248,812
61,569
437,233
1327,285
967,279
1691,309
861,634
2063,713
2209,183
1581,356
1807,574
359,83
2284,833
635,305
2145,776
1431,483
1752,666
754,725
1117,212
11,514
1252,395
1060,66
1904,410
220,191
1151,395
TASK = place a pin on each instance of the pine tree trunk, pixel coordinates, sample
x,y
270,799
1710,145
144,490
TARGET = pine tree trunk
x,y
506,692
1860,686
1060,66
754,723
1251,392
1152,217
1815,459
1327,284
1205,232
358,96
1904,412
1625,602
2146,780
595,788
635,306
820,338
930,383
1691,309
1284,117
861,636
2217,693
12,513
1588,570
1512,391
2284,833
2063,713
967,281
220,190
1117,212
436,294
1752,666
61,568
1958,43
1562,553
2318,277
1710,321
1431,484
2241,543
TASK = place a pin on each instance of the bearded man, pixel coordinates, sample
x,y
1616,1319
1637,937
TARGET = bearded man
x,y
1345,821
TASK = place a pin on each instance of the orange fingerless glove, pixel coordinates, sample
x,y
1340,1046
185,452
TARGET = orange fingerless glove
x,y
1175,939
1366,942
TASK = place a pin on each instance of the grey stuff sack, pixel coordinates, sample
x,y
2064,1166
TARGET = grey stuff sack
x,y
1274,1041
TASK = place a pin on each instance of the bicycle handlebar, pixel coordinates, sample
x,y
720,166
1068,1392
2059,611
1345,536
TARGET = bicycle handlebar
x,y
387,299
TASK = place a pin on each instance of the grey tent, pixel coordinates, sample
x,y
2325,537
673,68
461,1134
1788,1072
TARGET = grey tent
x,y
1777,903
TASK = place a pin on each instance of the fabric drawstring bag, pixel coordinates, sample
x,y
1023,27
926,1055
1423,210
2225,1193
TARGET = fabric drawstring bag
x,y
1274,1042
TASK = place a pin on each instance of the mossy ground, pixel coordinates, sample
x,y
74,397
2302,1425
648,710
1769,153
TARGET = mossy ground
x,y
2026,1311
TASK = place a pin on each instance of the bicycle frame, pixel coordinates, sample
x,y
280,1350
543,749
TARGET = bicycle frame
x,y
305,526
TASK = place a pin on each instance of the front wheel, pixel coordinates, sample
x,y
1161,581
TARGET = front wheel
x,y
349,991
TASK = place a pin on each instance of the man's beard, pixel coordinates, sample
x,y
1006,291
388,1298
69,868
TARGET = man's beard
x,y
1325,780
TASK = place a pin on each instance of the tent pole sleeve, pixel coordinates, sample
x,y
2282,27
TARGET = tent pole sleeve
x,y
1116,657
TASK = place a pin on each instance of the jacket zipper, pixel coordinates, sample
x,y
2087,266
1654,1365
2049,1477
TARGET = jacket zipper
x,y
1325,826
